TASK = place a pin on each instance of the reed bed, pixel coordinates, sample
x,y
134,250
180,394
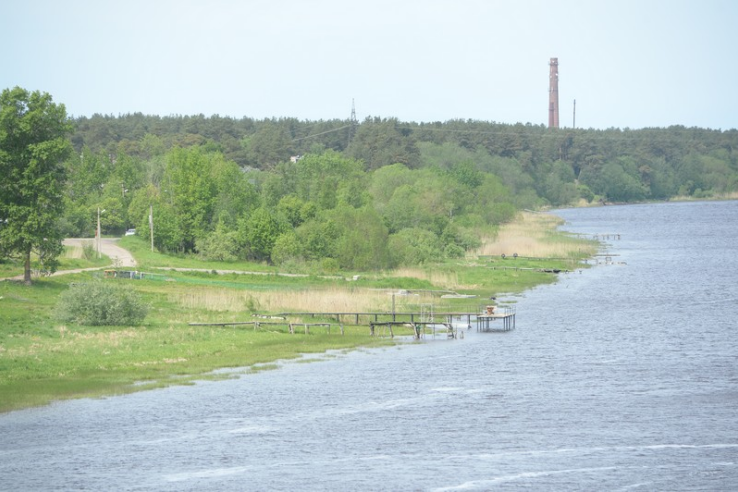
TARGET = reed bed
x,y
442,279
535,235
331,299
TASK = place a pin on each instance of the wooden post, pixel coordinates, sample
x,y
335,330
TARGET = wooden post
x,y
151,226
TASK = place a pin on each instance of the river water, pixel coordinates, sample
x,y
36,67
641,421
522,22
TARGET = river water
x,y
619,377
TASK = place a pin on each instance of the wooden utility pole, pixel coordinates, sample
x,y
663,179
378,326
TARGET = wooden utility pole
x,y
574,120
151,226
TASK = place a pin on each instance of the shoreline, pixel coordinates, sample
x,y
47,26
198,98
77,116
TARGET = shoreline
x,y
54,361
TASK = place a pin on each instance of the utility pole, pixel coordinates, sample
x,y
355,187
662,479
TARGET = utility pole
x,y
151,226
353,123
99,237
574,120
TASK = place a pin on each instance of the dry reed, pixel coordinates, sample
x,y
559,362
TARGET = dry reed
x,y
334,299
439,278
533,235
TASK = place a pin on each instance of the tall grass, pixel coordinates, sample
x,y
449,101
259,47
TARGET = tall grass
x,y
440,278
334,299
535,235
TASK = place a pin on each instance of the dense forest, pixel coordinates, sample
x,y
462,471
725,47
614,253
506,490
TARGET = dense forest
x,y
342,194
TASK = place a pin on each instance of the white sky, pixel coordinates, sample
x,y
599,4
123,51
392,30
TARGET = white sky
x,y
628,63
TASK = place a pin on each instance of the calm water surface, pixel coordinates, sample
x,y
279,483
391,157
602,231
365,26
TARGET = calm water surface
x,y
621,377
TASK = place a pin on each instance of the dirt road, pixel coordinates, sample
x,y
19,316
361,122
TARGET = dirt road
x,y
109,247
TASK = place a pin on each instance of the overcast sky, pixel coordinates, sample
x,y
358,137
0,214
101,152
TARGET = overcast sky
x,y
634,64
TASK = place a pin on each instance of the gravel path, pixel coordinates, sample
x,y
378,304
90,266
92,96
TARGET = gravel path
x,y
109,247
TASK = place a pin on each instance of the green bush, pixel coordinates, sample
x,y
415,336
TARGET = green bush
x,y
101,303
88,250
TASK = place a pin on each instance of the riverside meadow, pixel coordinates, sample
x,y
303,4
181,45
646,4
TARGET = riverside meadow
x,y
43,360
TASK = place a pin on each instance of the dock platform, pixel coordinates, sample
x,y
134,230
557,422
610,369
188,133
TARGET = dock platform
x,y
487,320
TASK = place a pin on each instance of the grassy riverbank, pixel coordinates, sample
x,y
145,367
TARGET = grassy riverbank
x,y
42,360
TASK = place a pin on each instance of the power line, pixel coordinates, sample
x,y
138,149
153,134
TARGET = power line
x,y
321,133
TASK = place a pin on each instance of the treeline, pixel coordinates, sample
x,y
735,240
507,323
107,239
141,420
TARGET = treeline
x,y
558,166
321,209
375,194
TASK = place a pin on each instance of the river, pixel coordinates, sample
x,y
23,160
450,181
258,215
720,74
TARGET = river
x,y
623,376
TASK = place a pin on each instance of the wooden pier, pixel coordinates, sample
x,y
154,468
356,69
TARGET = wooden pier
x,y
421,329
506,316
258,324
385,316
422,324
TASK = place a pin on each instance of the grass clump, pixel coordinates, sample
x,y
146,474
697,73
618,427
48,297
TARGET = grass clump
x,y
101,303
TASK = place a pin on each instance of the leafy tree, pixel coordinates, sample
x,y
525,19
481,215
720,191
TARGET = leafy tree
x,y
234,194
323,179
363,240
168,236
386,180
466,173
259,232
415,246
192,192
113,215
33,147
219,245
291,207
319,238
287,248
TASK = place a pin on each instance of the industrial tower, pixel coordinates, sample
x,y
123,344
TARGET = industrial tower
x,y
553,93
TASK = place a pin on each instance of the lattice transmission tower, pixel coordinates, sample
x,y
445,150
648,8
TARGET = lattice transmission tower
x,y
353,123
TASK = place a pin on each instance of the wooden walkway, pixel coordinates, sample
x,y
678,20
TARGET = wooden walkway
x,y
420,328
421,321
422,324
387,316
258,324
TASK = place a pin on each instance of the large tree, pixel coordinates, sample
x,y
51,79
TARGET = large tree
x,y
33,148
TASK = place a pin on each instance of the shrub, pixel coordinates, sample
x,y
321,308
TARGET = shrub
x,y
454,251
219,245
88,250
101,303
